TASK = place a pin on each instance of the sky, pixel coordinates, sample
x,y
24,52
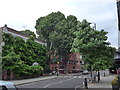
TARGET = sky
x,y
22,14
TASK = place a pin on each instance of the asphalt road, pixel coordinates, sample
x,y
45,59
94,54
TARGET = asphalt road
x,y
64,82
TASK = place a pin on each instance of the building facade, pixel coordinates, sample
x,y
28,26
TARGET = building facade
x,y
16,33
74,63
117,56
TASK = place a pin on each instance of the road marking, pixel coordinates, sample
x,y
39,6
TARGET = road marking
x,y
56,83
79,86
65,76
74,76
52,84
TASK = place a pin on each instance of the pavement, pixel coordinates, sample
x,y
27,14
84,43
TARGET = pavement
x,y
105,82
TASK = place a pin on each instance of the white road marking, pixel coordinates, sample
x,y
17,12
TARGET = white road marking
x,y
74,76
52,84
65,76
58,82
79,86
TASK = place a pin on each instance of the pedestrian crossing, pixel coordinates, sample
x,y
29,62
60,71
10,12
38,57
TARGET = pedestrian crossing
x,y
70,76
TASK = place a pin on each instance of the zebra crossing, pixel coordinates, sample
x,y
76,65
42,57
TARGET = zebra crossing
x,y
70,76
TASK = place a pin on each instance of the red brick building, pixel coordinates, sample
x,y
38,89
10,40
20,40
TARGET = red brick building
x,y
73,63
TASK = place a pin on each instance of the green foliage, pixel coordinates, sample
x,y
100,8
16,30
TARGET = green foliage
x,y
45,25
63,33
115,81
91,43
18,55
28,32
25,70
58,32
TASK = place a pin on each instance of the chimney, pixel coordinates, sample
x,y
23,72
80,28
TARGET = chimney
x,y
5,25
5,28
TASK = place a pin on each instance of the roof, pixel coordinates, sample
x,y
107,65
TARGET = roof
x,y
22,34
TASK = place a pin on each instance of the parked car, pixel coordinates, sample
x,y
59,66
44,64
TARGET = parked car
x,y
5,85
85,72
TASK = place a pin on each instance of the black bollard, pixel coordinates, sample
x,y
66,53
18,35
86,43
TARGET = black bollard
x,y
94,79
98,76
104,73
85,83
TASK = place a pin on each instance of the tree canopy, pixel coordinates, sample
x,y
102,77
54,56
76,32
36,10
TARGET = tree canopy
x,y
57,30
92,44
67,34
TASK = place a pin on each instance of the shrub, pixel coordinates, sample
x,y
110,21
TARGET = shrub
x,y
115,82
28,71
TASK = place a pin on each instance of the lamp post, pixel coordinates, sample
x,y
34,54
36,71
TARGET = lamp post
x,y
42,72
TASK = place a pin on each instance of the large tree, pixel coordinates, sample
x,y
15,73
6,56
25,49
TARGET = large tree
x,y
58,31
46,25
93,46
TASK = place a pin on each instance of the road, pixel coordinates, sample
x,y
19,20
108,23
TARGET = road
x,y
72,82
68,81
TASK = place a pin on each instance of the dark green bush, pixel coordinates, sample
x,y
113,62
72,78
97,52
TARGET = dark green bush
x,y
29,71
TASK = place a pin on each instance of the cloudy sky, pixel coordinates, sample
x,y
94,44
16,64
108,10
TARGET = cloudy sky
x,y
22,14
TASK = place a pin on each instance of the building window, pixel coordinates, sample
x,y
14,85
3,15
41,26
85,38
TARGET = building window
x,y
81,62
80,56
73,67
76,61
61,67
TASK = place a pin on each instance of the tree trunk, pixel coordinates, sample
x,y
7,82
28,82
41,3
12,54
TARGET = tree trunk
x,y
91,73
66,64
11,75
4,75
